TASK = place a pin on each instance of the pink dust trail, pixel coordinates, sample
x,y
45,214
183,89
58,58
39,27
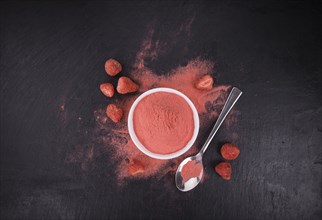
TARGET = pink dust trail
x,y
117,140
149,49
114,138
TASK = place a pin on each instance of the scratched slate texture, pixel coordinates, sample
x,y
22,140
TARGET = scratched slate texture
x,y
53,52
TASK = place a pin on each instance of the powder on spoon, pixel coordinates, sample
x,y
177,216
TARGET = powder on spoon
x,y
190,170
163,122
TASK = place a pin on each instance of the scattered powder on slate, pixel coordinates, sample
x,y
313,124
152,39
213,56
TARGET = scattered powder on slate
x,y
113,140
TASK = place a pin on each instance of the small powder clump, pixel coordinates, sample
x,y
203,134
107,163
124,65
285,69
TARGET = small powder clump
x,y
190,170
205,83
163,122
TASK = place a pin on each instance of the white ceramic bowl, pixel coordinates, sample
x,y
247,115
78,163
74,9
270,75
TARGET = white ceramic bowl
x,y
138,143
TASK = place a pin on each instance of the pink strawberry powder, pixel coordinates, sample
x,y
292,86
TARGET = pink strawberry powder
x,y
118,142
163,122
113,140
190,170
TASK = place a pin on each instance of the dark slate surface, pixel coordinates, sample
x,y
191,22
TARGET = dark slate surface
x,y
54,51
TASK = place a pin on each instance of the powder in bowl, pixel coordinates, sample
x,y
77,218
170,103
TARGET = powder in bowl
x,y
163,122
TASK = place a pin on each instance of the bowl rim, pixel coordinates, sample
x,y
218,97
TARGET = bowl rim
x,y
140,146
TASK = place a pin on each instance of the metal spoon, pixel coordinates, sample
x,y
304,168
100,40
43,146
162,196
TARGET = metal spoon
x,y
197,159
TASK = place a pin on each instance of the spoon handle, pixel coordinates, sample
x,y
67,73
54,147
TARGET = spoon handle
x,y
232,99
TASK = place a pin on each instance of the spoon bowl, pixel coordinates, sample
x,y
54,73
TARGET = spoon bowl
x,y
192,182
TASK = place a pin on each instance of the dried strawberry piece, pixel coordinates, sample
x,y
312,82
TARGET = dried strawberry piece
x,y
107,89
112,67
126,85
114,113
224,170
135,167
229,151
204,83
